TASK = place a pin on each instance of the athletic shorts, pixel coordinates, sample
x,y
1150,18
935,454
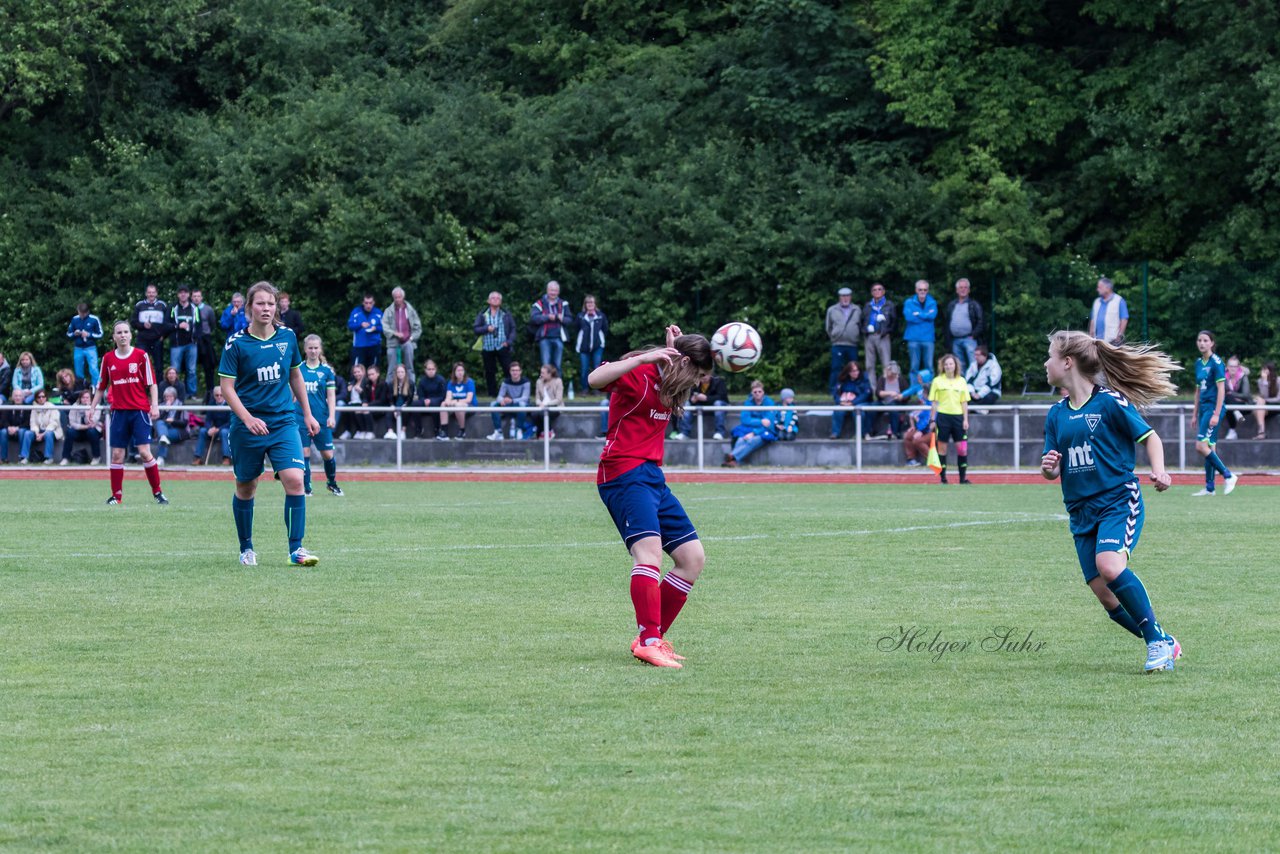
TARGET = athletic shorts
x,y
281,444
130,426
951,428
1205,433
322,440
642,506
1109,522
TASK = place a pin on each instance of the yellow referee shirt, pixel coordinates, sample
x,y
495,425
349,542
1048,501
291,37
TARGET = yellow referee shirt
x,y
949,394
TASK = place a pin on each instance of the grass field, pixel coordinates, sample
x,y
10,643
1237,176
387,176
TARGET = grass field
x,y
455,675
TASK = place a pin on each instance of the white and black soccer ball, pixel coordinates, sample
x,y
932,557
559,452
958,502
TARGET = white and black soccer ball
x,y
736,346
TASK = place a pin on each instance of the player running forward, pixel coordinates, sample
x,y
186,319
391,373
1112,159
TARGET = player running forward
x,y
261,376
1089,439
322,390
646,391
127,372
1211,380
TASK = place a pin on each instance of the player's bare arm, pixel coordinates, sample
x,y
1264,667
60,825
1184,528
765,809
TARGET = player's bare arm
x,y
1051,465
1155,453
613,371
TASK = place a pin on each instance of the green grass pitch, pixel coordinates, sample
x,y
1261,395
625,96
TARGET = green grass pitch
x,y
455,675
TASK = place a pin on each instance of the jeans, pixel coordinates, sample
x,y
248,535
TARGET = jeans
x,y
589,362
869,419
174,435
921,353
837,420
28,437
551,350
183,358
93,436
686,420
745,445
202,443
841,355
400,353
520,419
962,349
88,357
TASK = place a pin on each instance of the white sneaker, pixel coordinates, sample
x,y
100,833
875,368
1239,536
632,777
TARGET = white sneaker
x,y
495,436
96,460
1202,492
248,557
679,437
718,436
48,461
346,434
1231,435
390,434
63,462
164,440
1231,483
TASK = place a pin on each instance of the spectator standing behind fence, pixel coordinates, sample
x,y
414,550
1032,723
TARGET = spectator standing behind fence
x,y
83,425
85,330
843,325
290,317
1268,394
593,327
459,394
852,389
878,316
757,426
27,379
514,392
710,390
234,317
497,331
919,313
547,318
550,395
206,321
964,324
401,327
1109,317
150,320
984,377
431,391
184,321
365,323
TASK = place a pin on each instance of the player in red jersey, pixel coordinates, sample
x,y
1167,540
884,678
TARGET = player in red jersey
x,y
131,381
647,390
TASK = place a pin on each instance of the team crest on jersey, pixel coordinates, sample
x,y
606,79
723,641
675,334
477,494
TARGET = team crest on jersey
x,y
133,367
282,347
1092,421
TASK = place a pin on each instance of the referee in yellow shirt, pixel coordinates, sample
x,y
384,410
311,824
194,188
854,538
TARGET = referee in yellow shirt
x,y
949,414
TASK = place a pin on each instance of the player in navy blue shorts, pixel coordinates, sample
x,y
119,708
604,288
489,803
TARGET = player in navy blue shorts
x,y
1211,382
322,385
1090,439
261,377
647,390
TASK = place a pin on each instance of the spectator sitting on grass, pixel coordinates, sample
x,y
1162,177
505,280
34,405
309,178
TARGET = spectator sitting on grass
x,y
757,425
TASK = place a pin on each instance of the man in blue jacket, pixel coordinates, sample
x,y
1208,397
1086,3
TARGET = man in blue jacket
x,y
919,314
84,330
365,322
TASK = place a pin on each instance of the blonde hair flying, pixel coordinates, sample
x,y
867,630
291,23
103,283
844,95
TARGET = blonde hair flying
x,y
1138,371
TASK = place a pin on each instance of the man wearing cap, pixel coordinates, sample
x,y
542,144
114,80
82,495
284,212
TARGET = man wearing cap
x,y
843,322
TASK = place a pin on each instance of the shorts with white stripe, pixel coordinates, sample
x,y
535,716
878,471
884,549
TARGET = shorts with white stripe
x,y
1110,522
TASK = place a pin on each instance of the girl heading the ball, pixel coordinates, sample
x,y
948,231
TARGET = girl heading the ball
x,y
647,389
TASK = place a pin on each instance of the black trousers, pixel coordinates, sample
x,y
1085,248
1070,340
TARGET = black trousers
x,y
492,358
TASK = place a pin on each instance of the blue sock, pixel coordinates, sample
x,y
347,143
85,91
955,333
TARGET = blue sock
x,y
1218,464
1121,616
243,512
1133,598
295,520
330,469
1208,474
306,474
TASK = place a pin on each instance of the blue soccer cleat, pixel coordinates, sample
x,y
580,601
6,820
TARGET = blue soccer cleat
x,y
302,557
1159,656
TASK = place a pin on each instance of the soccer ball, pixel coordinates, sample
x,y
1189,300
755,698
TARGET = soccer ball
x,y
736,346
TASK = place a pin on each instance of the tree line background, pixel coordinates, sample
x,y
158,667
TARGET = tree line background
x,y
685,161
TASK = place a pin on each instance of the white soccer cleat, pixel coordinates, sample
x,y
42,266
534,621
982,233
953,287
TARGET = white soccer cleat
x,y
1201,493
248,557
1230,484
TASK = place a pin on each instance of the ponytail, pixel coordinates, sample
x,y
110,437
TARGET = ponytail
x,y
1138,371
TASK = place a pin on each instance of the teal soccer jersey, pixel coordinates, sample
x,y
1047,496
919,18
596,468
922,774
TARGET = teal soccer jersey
x,y
318,381
1210,372
261,369
1096,442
